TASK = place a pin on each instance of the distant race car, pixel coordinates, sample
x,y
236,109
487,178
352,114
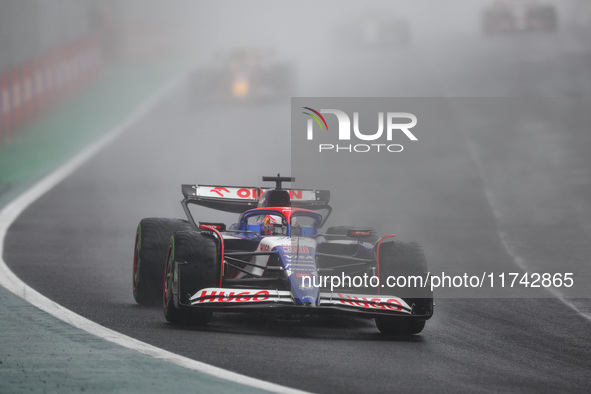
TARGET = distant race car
x,y
243,74
276,259
373,29
507,16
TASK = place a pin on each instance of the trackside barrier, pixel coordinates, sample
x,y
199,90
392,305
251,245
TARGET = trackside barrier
x,y
29,90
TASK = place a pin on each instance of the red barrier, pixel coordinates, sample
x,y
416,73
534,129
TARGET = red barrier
x,y
26,92
4,108
38,88
49,82
17,99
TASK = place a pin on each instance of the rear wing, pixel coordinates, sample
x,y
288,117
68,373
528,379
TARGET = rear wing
x,y
238,199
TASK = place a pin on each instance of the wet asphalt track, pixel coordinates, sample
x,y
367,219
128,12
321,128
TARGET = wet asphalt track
x,y
75,244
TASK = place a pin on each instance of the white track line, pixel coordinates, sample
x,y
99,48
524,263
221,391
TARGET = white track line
x,y
503,236
11,282
473,151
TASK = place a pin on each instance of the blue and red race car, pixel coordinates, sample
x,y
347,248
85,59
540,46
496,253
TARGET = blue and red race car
x,y
276,258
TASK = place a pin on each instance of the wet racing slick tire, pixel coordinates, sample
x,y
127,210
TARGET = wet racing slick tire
x,y
196,257
149,258
406,259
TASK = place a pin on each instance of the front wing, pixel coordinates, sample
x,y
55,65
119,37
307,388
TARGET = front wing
x,y
224,299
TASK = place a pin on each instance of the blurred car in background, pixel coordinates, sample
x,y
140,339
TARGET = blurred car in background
x,y
508,16
243,74
373,28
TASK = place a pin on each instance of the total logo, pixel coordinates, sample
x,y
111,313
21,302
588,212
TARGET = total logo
x,y
396,124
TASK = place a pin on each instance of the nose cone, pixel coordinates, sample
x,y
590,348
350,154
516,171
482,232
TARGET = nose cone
x,y
299,260
304,295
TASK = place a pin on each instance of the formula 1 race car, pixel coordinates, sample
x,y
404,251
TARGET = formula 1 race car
x,y
506,16
373,29
277,259
244,74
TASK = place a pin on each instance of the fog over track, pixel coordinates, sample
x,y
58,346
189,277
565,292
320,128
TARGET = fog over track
x,y
75,244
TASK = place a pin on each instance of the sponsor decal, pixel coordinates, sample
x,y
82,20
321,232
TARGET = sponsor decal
x,y
220,191
220,295
293,249
253,193
366,302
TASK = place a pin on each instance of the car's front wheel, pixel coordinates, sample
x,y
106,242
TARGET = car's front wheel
x,y
191,265
149,257
405,259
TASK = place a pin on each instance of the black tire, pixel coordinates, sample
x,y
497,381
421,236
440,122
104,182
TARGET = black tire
x,y
199,270
149,258
405,259
547,15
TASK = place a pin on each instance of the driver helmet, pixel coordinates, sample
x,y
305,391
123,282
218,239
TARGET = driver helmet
x,y
272,223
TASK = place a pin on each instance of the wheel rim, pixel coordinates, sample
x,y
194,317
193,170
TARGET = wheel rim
x,y
167,297
136,262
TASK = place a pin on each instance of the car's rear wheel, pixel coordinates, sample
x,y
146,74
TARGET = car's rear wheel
x,y
405,259
149,258
196,268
